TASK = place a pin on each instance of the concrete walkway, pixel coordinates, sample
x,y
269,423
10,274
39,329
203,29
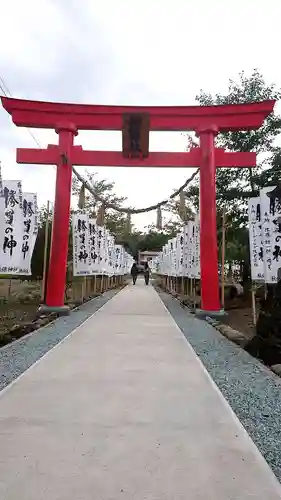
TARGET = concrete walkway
x,y
123,409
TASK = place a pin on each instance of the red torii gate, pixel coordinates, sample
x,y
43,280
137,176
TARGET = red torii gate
x,y
67,119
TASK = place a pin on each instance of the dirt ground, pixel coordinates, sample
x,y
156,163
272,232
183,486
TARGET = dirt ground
x,y
241,320
19,301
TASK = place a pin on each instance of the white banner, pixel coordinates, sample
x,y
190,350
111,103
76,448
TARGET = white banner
x,y
179,254
111,255
102,250
271,233
173,256
11,227
196,271
190,247
81,246
118,260
94,249
255,239
29,231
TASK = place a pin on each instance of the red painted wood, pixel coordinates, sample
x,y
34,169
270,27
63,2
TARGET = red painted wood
x,y
59,248
190,159
95,117
210,299
206,120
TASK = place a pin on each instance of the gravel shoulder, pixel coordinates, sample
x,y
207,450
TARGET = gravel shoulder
x,y
18,356
251,389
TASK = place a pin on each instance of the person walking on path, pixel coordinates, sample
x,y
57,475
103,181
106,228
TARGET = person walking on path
x,y
134,272
146,273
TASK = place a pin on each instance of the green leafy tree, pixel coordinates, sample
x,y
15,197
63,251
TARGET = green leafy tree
x,y
102,187
239,183
235,185
153,240
115,221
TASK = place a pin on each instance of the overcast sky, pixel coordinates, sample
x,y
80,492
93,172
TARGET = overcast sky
x,y
148,52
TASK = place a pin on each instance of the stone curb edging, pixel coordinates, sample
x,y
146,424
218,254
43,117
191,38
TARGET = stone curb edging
x,y
227,331
238,338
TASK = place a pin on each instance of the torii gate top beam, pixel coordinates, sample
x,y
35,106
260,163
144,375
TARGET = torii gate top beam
x,y
79,156
233,117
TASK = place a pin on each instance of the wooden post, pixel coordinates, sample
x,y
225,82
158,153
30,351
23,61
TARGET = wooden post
x,y
254,312
83,289
222,258
98,282
191,288
10,289
194,295
46,237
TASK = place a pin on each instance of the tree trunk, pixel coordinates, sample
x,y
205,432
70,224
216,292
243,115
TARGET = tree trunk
x,y
246,275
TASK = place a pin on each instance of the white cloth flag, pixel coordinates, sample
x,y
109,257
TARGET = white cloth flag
x,y
81,247
180,254
173,256
177,255
190,247
271,233
196,269
255,239
11,227
94,263
118,260
185,250
111,254
29,231
102,250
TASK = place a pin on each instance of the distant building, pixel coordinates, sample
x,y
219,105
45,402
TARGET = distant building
x,y
146,256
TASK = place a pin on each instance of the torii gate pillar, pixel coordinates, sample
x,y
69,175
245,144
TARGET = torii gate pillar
x,y
55,292
208,223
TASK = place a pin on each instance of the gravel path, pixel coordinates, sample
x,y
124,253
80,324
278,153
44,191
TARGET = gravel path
x,y
252,390
16,357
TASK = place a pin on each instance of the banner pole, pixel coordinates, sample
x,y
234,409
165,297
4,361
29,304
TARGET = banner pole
x,y
46,236
223,260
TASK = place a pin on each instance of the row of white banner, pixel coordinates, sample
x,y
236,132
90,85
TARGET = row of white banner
x,y
18,228
181,255
95,251
265,235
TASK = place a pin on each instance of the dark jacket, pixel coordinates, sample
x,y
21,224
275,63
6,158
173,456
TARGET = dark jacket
x,y
146,269
134,270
